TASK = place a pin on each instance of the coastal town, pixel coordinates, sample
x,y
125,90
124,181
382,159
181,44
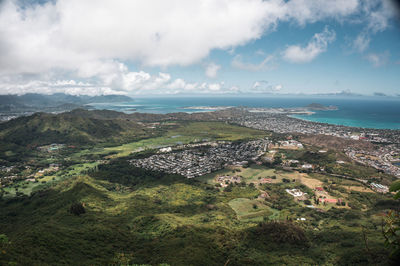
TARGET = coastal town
x,y
193,162
385,158
283,122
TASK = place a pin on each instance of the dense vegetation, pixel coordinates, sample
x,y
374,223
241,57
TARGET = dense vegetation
x,y
130,215
99,209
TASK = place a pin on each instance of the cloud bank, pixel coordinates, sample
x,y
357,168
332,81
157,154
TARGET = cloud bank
x,y
92,41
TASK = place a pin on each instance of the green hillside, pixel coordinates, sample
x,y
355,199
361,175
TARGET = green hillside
x,y
134,216
70,128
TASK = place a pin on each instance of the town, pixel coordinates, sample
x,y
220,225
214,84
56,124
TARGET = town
x,y
194,162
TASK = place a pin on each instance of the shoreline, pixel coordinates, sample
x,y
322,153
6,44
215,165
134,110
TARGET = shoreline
x,y
342,125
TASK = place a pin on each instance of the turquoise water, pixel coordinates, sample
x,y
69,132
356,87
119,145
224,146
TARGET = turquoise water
x,y
367,112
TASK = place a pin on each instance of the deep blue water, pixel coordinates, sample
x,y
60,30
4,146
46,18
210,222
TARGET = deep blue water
x,y
369,112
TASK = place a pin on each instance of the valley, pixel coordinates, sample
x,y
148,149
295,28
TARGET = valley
x,y
129,211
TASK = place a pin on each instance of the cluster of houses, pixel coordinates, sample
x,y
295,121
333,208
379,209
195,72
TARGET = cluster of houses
x,y
197,162
51,148
379,188
53,167
224,181
282,122
9,179
381,159
290,144
7,169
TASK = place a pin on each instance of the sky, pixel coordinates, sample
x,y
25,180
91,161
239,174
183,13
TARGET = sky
x,y
199,47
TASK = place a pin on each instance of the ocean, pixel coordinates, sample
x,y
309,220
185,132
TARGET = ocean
x,y
366,112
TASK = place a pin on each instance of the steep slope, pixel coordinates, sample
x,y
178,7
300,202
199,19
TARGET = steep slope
x,y
77,127
134,216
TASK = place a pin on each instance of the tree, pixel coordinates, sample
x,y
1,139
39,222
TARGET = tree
x,y
228,188
282,232
391,226
3,244
77,209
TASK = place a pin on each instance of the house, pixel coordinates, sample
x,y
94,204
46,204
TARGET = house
x,y
167,149
307,166
334,201
265,181
379,188
295,192
319,189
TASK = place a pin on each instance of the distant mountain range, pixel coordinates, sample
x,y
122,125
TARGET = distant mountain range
x,y
54,102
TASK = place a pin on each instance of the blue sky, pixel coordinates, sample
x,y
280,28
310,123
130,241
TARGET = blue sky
x,y
199,47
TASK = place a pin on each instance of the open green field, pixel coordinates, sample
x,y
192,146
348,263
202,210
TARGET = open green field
x,y
251,174
247,209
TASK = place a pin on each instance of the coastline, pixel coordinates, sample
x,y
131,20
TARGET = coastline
x,y
344,124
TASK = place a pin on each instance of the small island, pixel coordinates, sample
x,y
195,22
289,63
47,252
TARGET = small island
x,y
320,107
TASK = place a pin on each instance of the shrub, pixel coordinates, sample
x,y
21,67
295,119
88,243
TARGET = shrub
x,y
228,188
283,232
77,209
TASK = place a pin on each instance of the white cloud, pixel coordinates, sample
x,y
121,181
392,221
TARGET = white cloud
x,y
212,70
67,33
215,86
317,45
263,86
361,42
57,86
93,40
376,15
266,64
131,83
378,60
309,11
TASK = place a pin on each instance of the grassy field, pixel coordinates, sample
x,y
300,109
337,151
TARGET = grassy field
x,y
247,209
254,172
249,174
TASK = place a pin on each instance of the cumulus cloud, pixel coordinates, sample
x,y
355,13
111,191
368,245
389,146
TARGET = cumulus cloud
x,y
132,83
92,40
66,33
266,64
212,70
317,45
57,86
